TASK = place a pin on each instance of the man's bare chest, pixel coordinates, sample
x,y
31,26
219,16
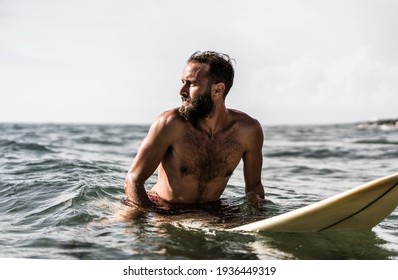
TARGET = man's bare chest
x,y
206,158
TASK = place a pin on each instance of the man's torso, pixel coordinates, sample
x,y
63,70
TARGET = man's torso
x,y
196,167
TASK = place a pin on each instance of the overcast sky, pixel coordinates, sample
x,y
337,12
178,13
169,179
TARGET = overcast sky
x,y
120,61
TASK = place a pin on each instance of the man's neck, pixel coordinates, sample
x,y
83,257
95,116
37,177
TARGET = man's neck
x,y
215,122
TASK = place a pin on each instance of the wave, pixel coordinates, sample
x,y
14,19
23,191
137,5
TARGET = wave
x,y
308,152
13,146
376,141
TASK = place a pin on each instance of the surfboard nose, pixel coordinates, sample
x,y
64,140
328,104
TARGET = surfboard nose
x,y
359,208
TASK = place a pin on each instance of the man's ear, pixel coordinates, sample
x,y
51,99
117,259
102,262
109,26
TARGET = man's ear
x,y
219,88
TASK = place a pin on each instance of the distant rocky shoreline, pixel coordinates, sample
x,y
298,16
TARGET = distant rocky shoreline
x,y
385,123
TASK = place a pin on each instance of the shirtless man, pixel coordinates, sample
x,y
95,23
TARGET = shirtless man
x,y
196,147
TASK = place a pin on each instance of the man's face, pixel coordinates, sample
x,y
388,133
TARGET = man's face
x,y
196,92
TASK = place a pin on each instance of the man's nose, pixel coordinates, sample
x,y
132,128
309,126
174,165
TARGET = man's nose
x,y
184,90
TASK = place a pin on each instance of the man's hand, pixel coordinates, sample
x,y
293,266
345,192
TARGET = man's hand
x,y
255,200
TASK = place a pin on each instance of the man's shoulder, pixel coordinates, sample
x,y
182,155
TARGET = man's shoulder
x,y
169,115
244,120
249,129
170,119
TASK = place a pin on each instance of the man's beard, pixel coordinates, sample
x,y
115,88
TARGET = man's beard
x,y
197,108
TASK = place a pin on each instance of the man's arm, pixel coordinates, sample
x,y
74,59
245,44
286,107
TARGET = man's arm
x,y
253,161
149,155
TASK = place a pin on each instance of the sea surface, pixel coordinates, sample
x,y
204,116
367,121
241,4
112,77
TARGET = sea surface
x,y
61,186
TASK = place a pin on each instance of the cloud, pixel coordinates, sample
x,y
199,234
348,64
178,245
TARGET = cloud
x,y
317,90
121,61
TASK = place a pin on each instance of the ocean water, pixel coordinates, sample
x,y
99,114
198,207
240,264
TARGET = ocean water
x,y
61,186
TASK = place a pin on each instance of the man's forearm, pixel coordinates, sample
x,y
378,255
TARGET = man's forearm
x,y
135,192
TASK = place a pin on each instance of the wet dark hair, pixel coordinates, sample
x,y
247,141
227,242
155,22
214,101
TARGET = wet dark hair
x,y
221,69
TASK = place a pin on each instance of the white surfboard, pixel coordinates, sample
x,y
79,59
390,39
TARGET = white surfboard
x,y
360,208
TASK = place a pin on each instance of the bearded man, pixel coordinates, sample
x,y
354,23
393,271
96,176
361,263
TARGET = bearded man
x,y
196,148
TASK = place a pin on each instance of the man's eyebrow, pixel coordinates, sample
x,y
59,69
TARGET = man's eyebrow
x,y
191,81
